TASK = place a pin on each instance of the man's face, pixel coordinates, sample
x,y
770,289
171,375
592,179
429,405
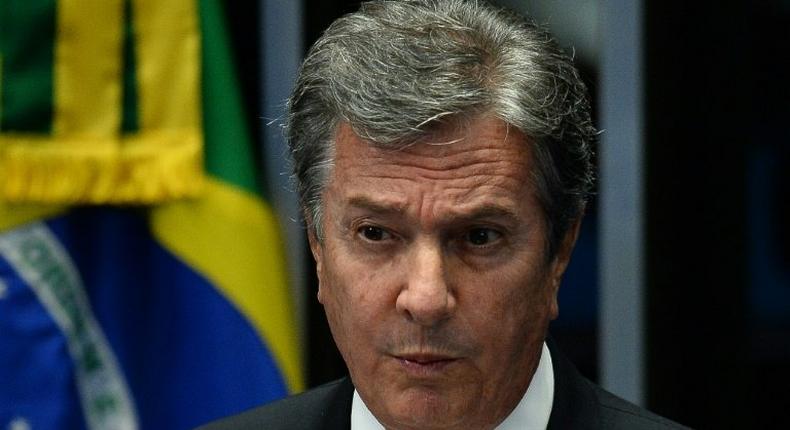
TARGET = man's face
x,y
433,274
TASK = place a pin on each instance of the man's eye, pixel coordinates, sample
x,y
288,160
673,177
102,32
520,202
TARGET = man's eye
x,y
373,234
482,236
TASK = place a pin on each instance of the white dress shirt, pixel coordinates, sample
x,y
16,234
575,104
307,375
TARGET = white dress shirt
x,y
531,413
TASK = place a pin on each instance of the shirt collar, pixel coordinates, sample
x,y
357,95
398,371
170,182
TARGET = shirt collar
x,y
531,413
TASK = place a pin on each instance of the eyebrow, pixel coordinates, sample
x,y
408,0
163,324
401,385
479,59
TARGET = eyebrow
x,y
488,211
485,211
380,207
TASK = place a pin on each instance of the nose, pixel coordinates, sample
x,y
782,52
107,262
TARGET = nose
x,y
426,298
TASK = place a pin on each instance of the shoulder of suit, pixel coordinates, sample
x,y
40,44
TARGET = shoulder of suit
x,y
617,413
303,410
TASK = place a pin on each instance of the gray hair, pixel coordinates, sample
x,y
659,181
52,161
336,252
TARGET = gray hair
x,y
395,70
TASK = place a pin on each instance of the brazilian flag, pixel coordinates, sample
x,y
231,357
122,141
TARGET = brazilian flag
x,y
142,273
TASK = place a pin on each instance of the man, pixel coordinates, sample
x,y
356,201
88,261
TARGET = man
x,y
442,156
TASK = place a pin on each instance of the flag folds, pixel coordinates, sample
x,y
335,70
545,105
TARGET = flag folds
x,y
142,276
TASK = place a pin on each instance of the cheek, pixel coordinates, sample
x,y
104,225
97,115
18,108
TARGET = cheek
x,y
353,296
516,303
357,313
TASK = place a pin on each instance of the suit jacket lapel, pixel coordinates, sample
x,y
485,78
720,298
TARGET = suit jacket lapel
x,y
575,404
337,413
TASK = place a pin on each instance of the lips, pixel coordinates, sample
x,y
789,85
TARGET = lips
x,y
423,365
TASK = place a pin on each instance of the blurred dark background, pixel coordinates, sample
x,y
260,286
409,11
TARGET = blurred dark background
x,y
717,207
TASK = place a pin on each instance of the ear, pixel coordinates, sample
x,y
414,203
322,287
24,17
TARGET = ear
x,y
560,263
315,249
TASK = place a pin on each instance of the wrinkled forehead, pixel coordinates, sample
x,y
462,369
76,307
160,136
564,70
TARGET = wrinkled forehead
x,y
444,137
485,147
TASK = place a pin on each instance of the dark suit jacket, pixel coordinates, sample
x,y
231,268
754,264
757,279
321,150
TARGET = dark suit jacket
x,y
578,404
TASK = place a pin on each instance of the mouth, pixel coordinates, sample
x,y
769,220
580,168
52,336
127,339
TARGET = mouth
x,y
425,364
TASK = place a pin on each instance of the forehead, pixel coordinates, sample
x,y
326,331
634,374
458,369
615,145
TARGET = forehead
x,y
447,147
460,144
482,161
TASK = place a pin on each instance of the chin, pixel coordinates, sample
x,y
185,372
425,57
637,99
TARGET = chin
x,y
425,408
